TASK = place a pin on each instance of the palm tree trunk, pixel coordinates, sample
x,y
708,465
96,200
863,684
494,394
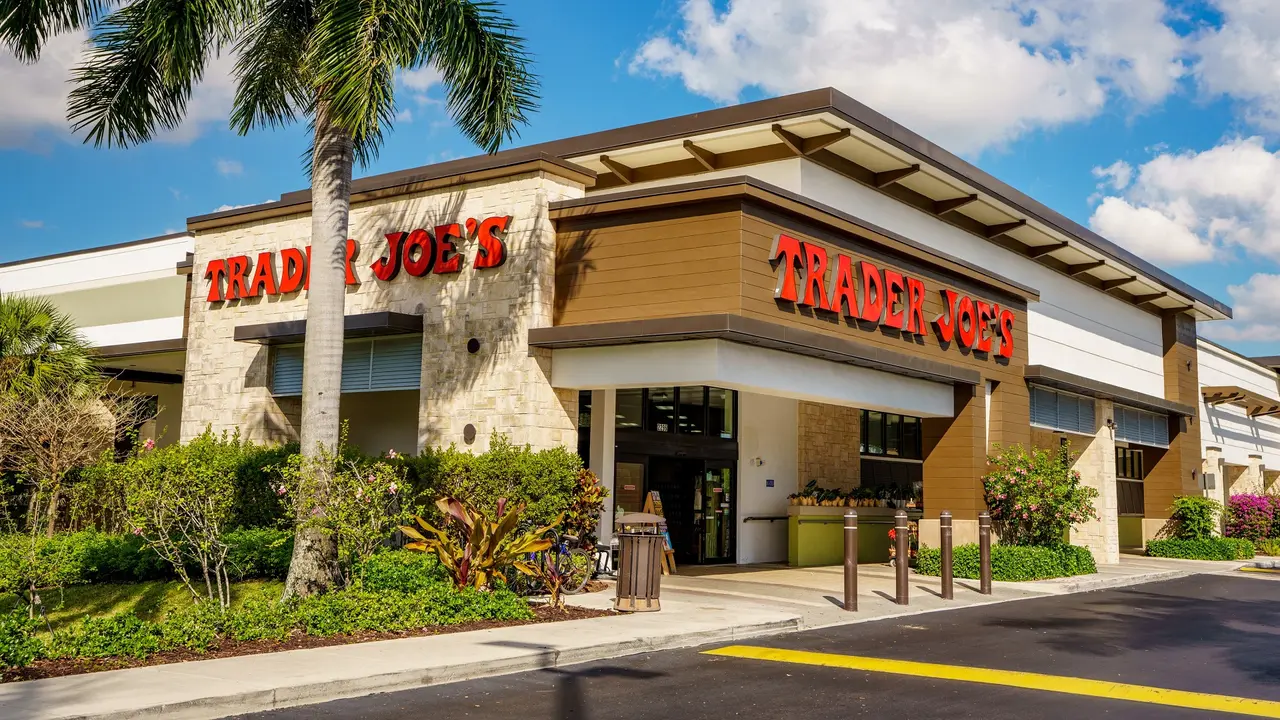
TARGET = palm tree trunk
x,y
314,552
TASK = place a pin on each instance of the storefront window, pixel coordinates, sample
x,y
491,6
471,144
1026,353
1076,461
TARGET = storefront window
x,y
630,409
875,432
693,411
720,417
891,435
911,437
662,410
1129,464
584,426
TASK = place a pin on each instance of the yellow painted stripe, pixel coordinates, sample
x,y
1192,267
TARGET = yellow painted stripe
x,y
1013,678
1250,568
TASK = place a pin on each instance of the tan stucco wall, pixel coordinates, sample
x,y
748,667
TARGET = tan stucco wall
x,y
504,388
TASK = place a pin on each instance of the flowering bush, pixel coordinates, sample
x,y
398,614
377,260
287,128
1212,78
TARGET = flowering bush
x,y
1034,496
1250,516
365,501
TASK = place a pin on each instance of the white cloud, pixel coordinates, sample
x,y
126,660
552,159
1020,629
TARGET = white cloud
x,y
228,167
967,73
33,98
422,79
224,208
404,116
32,224
1256,305
1240,59
1117,175
1197,206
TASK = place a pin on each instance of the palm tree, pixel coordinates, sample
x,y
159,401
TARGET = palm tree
x,y
332,62
40,348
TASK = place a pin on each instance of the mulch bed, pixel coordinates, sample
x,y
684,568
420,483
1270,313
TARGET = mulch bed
x,y
298,641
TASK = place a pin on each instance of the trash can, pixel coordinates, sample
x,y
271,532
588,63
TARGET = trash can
x,y
639,572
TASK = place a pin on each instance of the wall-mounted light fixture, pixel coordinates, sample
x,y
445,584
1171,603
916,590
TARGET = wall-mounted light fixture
x,y
757,461
1111,424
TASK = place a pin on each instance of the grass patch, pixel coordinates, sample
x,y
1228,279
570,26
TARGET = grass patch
x,y
148,600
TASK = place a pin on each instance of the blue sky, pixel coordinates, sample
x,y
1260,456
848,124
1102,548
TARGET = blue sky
x,y
1178,99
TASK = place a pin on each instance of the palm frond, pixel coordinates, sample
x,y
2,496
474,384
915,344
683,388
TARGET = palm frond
x,y
26,25
485,67
273,87
40,347
147,56
354,52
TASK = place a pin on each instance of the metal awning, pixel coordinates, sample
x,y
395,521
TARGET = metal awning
x,y
1255,403
376,324
1061,380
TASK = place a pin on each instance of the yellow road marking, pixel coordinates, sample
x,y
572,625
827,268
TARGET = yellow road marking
x,y
1250,568
1013,678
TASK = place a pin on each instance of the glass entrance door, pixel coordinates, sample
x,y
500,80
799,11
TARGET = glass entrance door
x,y
716,518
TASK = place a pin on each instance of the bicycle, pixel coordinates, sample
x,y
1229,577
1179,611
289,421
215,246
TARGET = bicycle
x,y
570,561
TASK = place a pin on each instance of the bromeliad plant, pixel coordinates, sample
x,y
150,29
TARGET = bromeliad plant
x,y
473,548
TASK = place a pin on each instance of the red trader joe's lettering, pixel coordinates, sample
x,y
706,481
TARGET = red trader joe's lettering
x,y
418,252
884,297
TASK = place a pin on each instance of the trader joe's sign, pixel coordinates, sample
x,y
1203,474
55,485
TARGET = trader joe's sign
x,y
417,252
809,277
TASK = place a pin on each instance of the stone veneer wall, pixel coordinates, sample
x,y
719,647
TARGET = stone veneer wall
x,y
1096,463
828,451
504,388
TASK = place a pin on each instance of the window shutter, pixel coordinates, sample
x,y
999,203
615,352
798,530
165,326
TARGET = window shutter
x,y
397,364
286,371
367,365
356,359
1044,407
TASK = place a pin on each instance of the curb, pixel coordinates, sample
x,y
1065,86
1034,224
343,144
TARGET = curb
x,y
308,693
1083,585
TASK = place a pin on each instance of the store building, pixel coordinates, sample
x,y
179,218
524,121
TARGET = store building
x,y
722,307
1239,421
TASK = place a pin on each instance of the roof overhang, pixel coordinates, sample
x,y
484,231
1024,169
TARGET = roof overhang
x,y
750,331
1045,376
376,324
845,136
1256,404
107,352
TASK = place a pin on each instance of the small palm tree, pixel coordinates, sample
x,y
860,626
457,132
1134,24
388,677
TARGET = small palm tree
x,y
40,348
332,62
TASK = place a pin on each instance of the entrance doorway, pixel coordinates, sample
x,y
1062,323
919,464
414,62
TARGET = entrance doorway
x,y
698,502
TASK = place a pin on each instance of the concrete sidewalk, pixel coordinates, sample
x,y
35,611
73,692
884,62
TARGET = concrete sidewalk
x,y
700,606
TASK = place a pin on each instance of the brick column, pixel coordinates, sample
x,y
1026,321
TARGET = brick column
x,y
1175,472
1096,463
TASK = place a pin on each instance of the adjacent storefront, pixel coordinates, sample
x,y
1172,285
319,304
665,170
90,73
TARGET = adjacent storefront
x,y
718,311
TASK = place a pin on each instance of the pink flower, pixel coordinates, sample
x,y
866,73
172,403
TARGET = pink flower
x,y
149,444
280,491
315,512
370,478
137,531
392,489
391,453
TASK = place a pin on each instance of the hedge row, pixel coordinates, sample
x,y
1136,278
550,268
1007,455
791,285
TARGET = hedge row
x,y
1011,563
202,626
1212,548
89,557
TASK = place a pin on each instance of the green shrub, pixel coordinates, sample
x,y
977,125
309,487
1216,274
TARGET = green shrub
x,y
402,571
1194,517
1268,546
75,559
1207,548
1011,563
122,635
546,481
258,553
19,645
200,626
257,480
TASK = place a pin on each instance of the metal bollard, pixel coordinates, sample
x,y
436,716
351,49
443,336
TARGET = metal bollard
x,y
944,523
984,550
851,561
903,554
